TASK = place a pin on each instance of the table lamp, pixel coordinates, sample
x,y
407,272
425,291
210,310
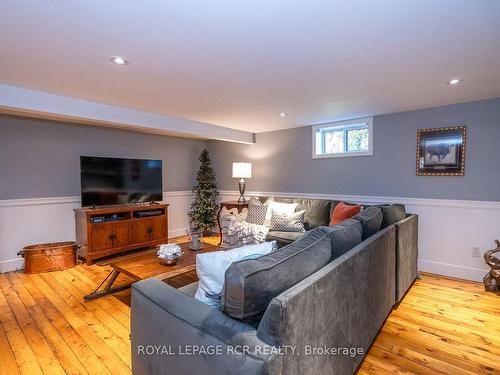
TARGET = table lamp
x,y
242,170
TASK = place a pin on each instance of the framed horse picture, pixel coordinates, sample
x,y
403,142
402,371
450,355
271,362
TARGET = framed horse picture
x,y
441,151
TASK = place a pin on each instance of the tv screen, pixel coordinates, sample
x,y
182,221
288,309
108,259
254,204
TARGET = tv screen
x,y
108,181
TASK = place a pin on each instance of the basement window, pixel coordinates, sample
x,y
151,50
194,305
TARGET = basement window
x,y
343,138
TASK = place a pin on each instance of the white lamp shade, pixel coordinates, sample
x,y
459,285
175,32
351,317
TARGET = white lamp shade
x,y
242,170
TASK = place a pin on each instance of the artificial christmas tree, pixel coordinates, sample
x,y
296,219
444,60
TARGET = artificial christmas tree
x,y
202,214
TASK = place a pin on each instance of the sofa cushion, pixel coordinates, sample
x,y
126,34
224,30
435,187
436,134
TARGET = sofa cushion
x,y
283,237
250,285
317,212
392,214
210,268
344,236
283,199
189,289
371,220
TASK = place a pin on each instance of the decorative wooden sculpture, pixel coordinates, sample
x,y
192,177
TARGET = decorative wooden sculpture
x,y
492,279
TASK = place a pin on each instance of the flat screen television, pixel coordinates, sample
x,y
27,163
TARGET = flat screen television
x,y
110,181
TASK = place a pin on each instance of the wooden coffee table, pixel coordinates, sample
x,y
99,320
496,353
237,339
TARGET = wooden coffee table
x,y
146,264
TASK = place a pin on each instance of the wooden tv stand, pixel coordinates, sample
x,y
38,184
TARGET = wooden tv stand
x,y
105,231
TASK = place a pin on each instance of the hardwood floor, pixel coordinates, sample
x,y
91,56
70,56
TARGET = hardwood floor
x,y
443,326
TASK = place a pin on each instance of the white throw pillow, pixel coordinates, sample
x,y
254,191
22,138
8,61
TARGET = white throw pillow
x,y
278,208
211,267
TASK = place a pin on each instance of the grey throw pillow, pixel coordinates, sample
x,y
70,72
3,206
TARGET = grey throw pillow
x,y
257,211
287,222
371,220
344,236
392,214
317,212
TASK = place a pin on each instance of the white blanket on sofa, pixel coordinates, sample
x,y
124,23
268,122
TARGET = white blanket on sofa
x,y
248,233
236,231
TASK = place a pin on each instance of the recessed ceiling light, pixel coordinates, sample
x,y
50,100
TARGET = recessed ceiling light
x,y
283,114
454,81
118,60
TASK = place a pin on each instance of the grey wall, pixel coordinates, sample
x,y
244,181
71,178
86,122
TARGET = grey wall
x,y
42,159
282,160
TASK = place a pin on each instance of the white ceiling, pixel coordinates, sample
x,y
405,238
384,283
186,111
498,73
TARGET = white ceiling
x,y
240,63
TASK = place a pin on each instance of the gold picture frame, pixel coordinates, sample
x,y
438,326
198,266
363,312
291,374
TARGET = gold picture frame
x,y
441,151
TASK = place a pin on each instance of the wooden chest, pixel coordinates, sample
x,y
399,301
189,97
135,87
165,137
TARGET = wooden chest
x,y
49,257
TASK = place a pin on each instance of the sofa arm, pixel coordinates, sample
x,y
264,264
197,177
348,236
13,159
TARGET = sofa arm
x,y
191,337
406,254
343,305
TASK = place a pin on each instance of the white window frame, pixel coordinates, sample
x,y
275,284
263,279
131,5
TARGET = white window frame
x,y
344,124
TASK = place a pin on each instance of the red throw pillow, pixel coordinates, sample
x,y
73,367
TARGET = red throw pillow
x,y
343,212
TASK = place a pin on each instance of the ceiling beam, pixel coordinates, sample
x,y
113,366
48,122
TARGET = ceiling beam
x,y
25,102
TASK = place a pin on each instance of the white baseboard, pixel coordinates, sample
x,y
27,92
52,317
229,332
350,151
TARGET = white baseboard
x,y
452,270
177,232
11,265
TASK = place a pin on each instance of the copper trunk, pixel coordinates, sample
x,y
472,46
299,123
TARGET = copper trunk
x,y
49,257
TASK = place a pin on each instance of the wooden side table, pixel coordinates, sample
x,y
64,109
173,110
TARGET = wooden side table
x,y
229,205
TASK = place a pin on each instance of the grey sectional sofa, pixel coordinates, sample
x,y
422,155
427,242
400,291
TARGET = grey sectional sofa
x,y
283,313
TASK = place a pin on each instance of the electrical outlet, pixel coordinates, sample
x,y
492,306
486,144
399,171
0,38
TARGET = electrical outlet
x,y
476,252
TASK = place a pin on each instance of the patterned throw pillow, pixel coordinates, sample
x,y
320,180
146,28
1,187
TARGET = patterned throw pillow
x,y
257,211
286,222
278,207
